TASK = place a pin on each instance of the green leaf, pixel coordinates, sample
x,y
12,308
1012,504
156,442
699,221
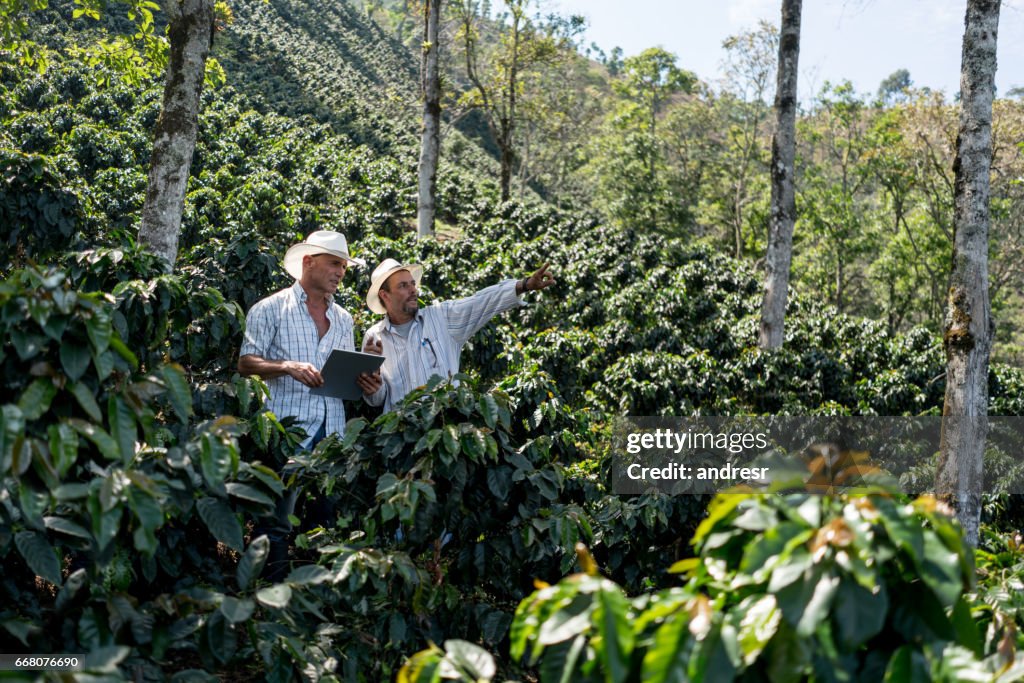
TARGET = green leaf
x,y
858,614
428,441
70,588
908,665
63,447
55,325
685,566
494,626
615,630
105,522
759,623
97,326
214,459
771,548
489,409
66,526
98,436
905,531
105,659
20,629
221,521
471,659
219,638
422,667
26,345
918,615
450,437
940,569
567,621
36,399
83,394
74,357
39,555
278,595
667,660
499,482
756,518
33,503
817,608
560,661
473,444
785,573
66,492
236,611
966,628
178,390
397,629
251,563
715,656
124,352
805,603
122,426
146,507
720,508
246,492
310,574
267,476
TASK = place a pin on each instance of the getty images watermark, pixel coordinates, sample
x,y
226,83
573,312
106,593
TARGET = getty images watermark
x,y
700,455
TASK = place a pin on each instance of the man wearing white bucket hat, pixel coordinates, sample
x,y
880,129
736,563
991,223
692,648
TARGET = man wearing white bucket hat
x,y
288,337
418,344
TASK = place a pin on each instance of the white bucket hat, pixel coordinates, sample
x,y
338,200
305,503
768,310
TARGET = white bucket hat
x,y
381,273
319,242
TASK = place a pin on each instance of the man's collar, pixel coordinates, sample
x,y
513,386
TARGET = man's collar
x,y
389,326
299,291
302,296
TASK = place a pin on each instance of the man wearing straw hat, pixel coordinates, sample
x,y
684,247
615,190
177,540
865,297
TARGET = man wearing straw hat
x,y
290,334
288,337
418,344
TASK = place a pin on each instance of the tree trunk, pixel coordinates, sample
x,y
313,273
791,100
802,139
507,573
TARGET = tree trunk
x,y
430,145
505,179
968,324
783,207
190,31
508,121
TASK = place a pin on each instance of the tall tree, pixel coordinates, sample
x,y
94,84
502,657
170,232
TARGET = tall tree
x,y
190,31
495,66
968,324
430,145
749,64
634,184
783,202
835,187
895,88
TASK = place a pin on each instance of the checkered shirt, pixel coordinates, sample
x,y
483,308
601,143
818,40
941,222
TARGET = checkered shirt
x,y
280,327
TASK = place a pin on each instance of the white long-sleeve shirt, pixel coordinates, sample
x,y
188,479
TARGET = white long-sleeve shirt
x,y
434,340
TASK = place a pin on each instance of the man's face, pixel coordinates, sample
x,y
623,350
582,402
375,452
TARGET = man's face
x,y
400,298
323,272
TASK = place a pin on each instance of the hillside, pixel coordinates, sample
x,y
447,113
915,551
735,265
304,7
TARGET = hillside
x,y
136,462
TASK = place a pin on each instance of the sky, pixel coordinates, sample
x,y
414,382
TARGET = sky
x,y
862,41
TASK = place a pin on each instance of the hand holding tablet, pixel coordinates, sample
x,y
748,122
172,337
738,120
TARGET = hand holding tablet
x,y
341,373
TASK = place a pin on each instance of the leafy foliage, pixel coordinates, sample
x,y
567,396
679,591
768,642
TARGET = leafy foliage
x,y
785,587
135,465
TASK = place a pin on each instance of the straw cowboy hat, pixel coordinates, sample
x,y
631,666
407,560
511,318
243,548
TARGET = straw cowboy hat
x,y
319,242
381,273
